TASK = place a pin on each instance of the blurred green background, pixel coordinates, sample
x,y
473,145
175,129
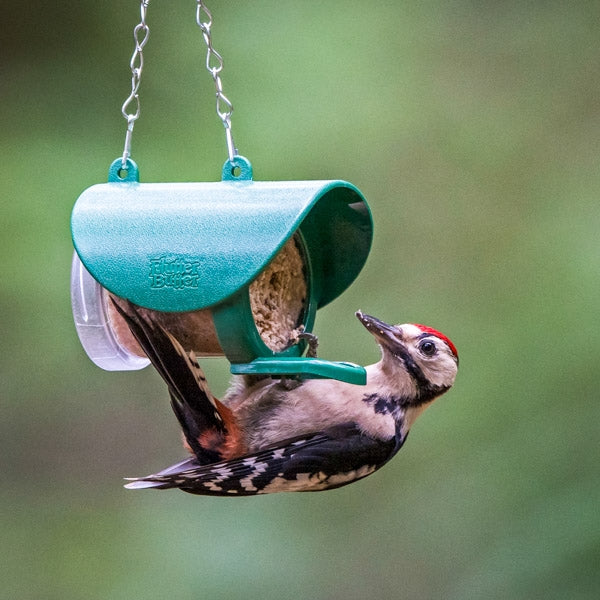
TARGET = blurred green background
x,y
473,128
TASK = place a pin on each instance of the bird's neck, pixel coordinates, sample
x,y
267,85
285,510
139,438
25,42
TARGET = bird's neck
x,y
394,393
391,383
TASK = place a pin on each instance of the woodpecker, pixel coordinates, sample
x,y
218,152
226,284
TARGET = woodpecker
x,y
268,435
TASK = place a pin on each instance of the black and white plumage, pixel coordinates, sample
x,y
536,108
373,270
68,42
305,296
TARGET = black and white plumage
x,y
268,436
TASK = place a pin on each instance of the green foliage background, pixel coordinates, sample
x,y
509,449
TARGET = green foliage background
x,y
473,128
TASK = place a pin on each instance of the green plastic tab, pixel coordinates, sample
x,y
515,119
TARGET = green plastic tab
x,y
306,368
237,169
119,174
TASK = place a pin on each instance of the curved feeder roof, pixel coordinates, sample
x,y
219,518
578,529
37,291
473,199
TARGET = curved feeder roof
x,y
190,246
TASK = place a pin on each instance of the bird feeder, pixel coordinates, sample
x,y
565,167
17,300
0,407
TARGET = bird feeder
x,y
234,268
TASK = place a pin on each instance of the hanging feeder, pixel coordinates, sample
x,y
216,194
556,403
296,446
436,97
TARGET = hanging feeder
x,y
235,268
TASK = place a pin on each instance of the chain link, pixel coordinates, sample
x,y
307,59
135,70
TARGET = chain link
x,y
140,35
214,65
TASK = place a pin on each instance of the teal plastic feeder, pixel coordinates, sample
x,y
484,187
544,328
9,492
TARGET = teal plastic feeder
x,y
235,268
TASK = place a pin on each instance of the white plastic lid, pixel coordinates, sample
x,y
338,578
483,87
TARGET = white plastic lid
x,y
93,327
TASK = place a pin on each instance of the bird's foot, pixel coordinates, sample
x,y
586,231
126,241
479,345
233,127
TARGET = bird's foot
x,y
311,339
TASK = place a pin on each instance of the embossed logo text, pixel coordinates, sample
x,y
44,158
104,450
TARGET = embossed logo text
x,y
177,273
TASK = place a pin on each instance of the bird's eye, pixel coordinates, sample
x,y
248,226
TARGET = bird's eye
x,y
428,348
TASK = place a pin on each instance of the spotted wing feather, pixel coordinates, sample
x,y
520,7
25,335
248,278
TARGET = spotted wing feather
x,y
325,460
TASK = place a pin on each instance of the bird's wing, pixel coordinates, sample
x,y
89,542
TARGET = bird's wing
x,y
320,461
207,424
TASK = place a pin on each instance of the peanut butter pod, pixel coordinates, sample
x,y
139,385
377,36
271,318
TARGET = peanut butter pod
x,y
277,299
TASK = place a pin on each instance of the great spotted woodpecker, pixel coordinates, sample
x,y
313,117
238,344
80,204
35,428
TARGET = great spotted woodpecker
x,y
269,435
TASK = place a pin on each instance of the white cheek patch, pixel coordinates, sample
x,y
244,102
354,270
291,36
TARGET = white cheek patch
x,y
442,372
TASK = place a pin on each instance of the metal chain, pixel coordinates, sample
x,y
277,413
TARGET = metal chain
x,y
140,35
214,65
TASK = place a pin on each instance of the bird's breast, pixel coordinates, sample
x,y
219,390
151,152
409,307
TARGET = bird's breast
x,y
272,413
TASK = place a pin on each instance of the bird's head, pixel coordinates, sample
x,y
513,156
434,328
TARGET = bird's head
x,y
427,356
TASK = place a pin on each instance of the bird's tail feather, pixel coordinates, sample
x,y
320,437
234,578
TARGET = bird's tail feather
x,y
204,420
139,483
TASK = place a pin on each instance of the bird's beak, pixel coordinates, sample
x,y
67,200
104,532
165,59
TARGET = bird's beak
x,y
383,333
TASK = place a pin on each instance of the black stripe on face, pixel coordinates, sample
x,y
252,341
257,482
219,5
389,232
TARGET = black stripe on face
x,y
426,391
